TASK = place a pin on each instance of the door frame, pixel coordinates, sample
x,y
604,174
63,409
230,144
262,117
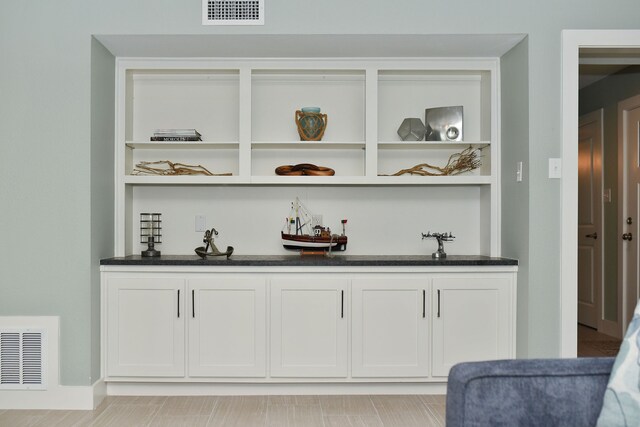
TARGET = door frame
x,y
572,41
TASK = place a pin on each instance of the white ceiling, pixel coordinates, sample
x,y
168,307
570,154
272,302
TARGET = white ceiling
x,y
310,45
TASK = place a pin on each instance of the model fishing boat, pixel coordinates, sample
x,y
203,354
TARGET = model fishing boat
x,y
303,230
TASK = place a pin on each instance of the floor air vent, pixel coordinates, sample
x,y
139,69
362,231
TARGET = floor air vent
x,y
227,12
21,359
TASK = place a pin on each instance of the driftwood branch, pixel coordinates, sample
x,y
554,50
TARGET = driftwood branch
x,y
465,161
169,168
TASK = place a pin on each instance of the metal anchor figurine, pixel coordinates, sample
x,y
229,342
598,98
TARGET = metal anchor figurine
x,y
441,237
203,251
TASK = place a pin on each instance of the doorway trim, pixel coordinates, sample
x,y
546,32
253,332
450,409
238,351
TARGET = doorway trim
x,y
572,41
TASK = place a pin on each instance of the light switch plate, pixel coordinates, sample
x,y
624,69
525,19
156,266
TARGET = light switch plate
x,y
555,168
519,172
201,223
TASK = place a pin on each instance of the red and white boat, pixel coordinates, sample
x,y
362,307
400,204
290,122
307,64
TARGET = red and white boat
x,y
302,232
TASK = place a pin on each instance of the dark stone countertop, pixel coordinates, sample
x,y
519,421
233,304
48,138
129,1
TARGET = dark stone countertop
x,y
310,260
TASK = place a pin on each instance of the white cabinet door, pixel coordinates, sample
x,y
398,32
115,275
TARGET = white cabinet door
x,y
145,327
390,327
472,320
227,326
308,327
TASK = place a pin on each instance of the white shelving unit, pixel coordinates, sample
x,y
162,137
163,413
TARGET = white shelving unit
x,y
244,109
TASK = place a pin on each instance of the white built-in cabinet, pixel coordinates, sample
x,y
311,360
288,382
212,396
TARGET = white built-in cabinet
x,y
390,327
146,326
309,327
473,320
227,328
354,326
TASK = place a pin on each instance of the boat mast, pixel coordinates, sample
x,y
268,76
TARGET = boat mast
x,y
298,222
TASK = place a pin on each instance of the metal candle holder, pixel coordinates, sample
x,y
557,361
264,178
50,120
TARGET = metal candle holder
x,y
150,232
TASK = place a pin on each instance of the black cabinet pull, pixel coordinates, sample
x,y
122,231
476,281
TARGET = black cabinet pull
x,y
424,308
193,303
438,302
178,303
342,304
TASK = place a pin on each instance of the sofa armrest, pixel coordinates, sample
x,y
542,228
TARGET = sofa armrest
x,y
534,392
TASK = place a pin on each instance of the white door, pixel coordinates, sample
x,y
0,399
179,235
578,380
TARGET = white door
x,y
390,327
590,234
471,320
309,327
629,132
145,327
227,327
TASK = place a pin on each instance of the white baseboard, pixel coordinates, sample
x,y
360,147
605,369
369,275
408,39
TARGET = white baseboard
x,y
229,389
55,397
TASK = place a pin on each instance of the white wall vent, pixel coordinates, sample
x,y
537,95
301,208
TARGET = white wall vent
x,y
229,12
22,355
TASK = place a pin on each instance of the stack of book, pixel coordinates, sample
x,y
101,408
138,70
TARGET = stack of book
x,y
176,135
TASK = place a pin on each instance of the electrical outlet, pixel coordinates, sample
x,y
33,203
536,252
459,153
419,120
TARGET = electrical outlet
x,y
201,223
555,168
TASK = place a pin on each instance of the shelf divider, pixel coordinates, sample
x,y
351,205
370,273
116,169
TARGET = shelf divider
x,y
371,119
245,120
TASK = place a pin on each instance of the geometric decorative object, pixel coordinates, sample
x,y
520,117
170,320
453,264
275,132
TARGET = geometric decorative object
x,y
443,123
412,129
150,232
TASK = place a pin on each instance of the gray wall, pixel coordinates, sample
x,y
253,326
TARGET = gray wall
x,y
103,67
606,94
49,231
514,87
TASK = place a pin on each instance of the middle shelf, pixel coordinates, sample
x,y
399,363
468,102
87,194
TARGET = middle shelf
x,y
255,163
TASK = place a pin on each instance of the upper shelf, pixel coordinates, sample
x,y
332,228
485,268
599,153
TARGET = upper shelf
x,y
307,144
164,145
393,145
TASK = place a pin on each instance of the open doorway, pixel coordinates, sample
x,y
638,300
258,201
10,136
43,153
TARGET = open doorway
x,y
608,93
599,47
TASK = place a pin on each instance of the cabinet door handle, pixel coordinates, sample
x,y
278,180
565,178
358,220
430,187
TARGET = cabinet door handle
x,y
424,308
341,304
438,302
178,303
193,303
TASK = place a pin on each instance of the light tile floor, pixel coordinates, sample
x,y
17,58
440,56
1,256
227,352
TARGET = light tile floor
x,y
245,411
271,411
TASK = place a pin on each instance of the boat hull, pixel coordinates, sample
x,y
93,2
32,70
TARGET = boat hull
x,y
298,241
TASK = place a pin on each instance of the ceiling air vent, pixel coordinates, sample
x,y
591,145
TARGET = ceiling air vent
x,y
21,359
227,12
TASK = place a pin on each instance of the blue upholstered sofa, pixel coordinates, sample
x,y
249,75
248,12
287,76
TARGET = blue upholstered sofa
x,y
534,392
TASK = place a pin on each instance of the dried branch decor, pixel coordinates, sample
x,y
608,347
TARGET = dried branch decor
x,y
465,161
169,168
